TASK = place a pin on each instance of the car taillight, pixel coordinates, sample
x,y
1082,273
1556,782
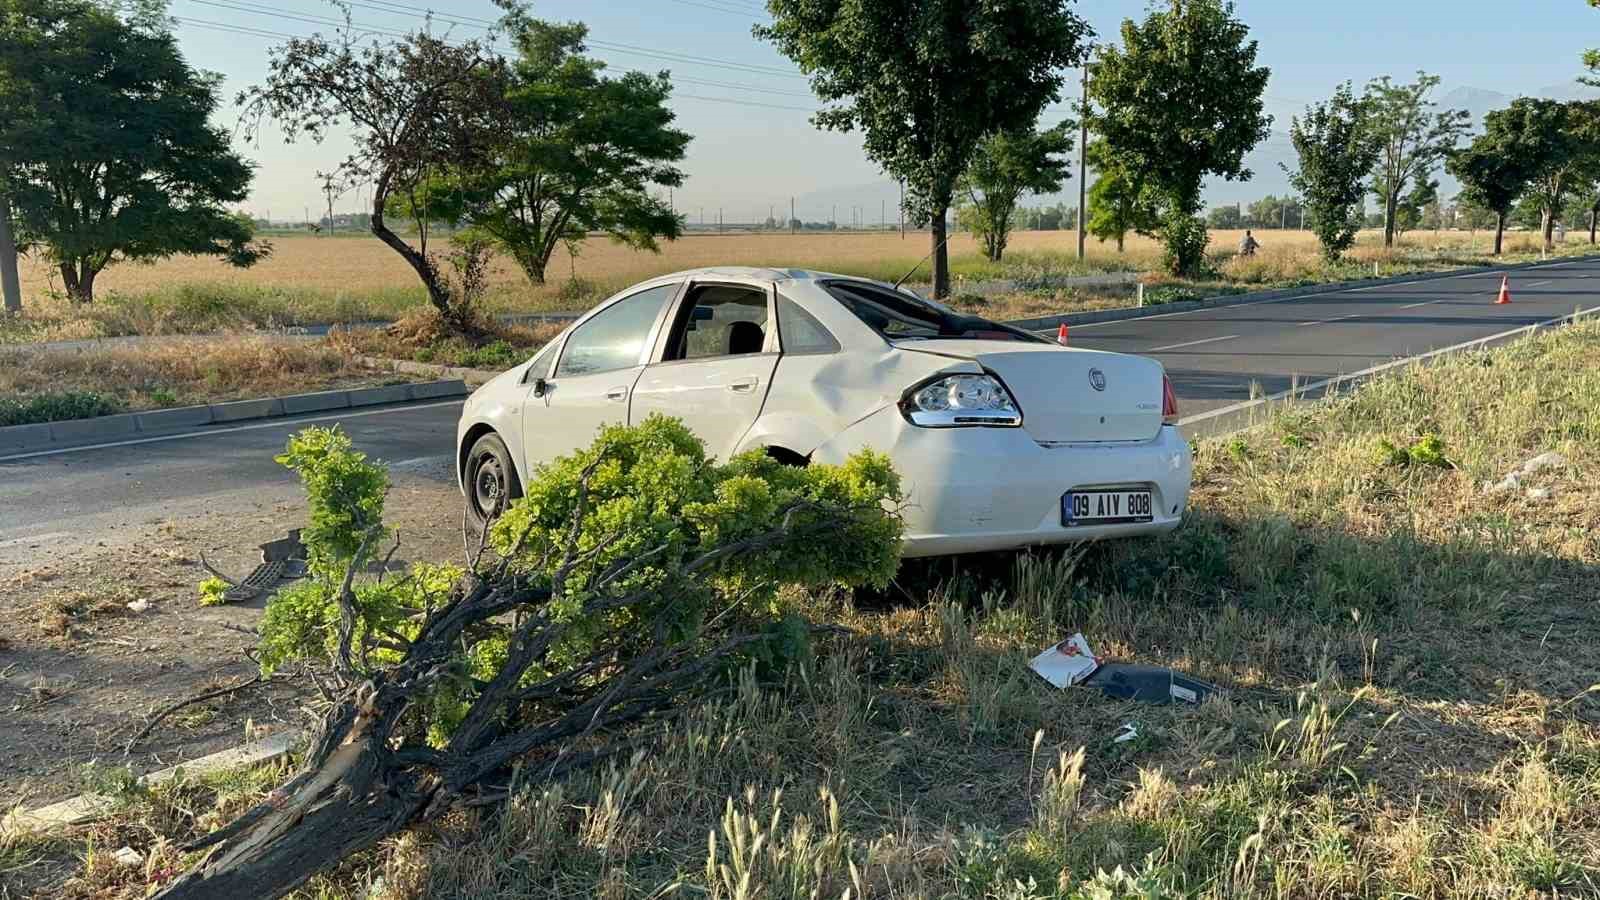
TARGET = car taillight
x,y
1169,402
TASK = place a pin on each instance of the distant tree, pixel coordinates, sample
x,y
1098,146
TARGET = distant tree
x,y
1006,165
1120,201
419,107
106,142
1225,218
1336,153
1496,167
1409,213
1051,218
926,82
1473,215
1267,212
1412,138
575,151
1181,100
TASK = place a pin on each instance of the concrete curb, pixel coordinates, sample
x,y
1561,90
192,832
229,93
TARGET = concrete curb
x,y
86,808
1043,323
49,435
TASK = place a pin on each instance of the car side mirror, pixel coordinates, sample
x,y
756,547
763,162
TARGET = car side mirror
x,y
539,387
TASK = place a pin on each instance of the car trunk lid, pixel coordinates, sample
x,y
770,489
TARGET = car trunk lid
x,y
1067,395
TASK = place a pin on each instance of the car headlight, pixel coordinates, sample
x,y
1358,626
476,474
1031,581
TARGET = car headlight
x,y
959,400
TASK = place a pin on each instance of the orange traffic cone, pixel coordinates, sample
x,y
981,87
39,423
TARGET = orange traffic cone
x,y
1061,334
1505,291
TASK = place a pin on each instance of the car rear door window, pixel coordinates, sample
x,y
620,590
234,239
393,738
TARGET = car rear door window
x,y
721,320
800,332
614,338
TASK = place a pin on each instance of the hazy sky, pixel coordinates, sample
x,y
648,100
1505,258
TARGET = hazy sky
x,y
748,108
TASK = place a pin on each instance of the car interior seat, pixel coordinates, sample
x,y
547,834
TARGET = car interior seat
x,y
745,337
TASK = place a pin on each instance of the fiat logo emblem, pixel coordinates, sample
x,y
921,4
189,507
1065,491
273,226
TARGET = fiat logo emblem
x,y
1097,379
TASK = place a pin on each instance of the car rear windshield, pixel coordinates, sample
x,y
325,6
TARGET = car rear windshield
x,y
900,316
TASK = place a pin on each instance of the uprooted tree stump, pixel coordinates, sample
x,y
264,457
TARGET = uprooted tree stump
x,y
632,575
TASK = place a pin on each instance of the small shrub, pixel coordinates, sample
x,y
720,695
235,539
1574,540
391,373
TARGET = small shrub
x,y
1427,451
213,592
56,407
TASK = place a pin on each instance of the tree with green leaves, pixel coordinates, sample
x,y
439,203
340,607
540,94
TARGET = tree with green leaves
x,y
1495,168
925,81
1413,137
1409,213
107,150
1006,165
1180,100
1119,201
577,151
1336,154
1567,155
418,107
1224,218
633,578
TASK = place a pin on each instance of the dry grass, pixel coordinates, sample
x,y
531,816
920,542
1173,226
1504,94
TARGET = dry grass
x,y
423,336
1413,706
312,280
180,372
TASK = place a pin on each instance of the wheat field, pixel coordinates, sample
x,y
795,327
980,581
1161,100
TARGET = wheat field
x,y
363,264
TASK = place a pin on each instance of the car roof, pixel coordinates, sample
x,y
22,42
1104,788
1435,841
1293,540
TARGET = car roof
x,y
760,272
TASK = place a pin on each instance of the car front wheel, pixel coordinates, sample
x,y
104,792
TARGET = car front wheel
x,y
490,481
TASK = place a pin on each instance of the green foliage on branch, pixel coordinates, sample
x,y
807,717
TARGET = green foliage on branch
x,y
636,543
345,493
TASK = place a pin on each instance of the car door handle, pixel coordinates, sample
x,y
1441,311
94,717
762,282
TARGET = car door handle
x,y
744,385
617,394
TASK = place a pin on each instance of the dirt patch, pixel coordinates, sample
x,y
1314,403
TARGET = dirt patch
x,y
81,671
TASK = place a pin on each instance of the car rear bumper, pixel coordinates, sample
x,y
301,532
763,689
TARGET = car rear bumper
x,y
970,490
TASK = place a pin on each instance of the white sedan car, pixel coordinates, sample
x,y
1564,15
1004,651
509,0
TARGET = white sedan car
x,y
1002,439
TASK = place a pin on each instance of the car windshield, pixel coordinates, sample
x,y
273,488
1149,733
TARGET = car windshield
x,y
900,316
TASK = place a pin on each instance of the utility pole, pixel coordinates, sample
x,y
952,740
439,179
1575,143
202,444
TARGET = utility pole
x,y
902,209
1083,159
793,223
833,218
883,214
10,284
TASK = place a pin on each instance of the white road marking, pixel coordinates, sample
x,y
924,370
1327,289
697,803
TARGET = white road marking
x,y
1227,337
1538,283
1423,303
1392,284
1326,321
271,423
1325,383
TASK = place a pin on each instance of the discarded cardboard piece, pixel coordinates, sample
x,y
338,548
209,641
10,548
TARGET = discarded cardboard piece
x,y
1073,662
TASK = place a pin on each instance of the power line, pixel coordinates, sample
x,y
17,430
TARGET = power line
x,y
715,8
280,35
625,49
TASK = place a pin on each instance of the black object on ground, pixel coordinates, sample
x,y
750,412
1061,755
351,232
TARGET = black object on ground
x,y
1150,684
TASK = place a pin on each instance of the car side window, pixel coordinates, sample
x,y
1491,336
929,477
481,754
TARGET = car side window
x,y
614,338
720,320
540,366
800,332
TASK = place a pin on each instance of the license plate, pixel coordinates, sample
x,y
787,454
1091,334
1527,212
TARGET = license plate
x,y
1106,507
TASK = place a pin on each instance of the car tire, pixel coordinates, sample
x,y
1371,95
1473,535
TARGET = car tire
x,y
490,482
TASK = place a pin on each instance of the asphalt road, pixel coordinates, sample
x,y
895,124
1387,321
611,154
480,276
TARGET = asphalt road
x,y
1217,358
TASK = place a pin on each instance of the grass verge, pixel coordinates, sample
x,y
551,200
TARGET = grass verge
x,y
316,281
45,385
421,336
1413,703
